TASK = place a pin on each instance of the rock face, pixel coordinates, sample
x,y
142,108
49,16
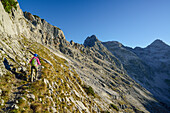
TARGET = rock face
x,y
132,63
91,41
157,57
49,35
74,77
149,66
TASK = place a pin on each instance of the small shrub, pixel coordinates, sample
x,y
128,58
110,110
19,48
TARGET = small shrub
x,y
114,107
36,107
9,4
89,90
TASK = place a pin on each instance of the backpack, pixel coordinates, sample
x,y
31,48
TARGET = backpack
x,y
34,62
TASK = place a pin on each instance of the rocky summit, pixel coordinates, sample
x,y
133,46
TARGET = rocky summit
x,y
94,77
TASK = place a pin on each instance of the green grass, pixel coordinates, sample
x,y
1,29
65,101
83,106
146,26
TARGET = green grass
x,y
9,4
6,88
39,89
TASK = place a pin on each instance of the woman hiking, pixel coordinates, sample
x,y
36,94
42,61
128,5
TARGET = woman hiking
x,y
34,66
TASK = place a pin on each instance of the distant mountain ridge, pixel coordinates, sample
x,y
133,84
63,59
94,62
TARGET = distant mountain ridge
x,y
149,66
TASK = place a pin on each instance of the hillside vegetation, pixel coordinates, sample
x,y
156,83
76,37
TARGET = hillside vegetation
x,y
9,4
59,88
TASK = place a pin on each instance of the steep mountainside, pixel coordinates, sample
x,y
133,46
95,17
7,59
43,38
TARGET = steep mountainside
x,y
149,66
157,57
73,77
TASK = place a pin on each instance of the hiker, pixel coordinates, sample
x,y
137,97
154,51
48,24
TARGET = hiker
x,y
34,66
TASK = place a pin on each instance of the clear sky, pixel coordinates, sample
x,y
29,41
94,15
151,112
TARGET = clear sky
x,y
131,22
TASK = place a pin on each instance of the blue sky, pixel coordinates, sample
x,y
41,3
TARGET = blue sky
x,y
131,22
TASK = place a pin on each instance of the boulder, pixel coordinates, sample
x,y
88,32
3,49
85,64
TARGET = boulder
x,y
31,96
22,63
2,102
20,69
53,110
14,106
29,16
2,52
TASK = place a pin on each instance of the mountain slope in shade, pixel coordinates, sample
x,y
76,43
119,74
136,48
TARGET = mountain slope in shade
x,y
149,66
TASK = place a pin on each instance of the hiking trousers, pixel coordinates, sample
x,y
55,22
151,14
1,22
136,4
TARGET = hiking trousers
x,y
34,68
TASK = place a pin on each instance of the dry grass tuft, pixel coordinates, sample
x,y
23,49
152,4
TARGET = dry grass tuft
x,y
36,107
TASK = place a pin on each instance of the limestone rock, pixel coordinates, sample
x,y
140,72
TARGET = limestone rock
x,y
76,93
31,96
82,107
29,16
20,69
90,41
2,102
144,65
14,106
54,110
48,84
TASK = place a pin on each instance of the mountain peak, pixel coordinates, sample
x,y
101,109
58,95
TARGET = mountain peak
x,y
93,37
90,41
157,43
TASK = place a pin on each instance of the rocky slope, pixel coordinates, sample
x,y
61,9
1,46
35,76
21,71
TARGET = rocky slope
x,y
73,77
149,66
157,57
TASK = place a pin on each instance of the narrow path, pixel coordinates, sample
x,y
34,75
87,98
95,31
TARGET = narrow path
x,y
17,91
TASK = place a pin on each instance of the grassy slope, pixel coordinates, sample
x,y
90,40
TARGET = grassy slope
x,y
57,71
